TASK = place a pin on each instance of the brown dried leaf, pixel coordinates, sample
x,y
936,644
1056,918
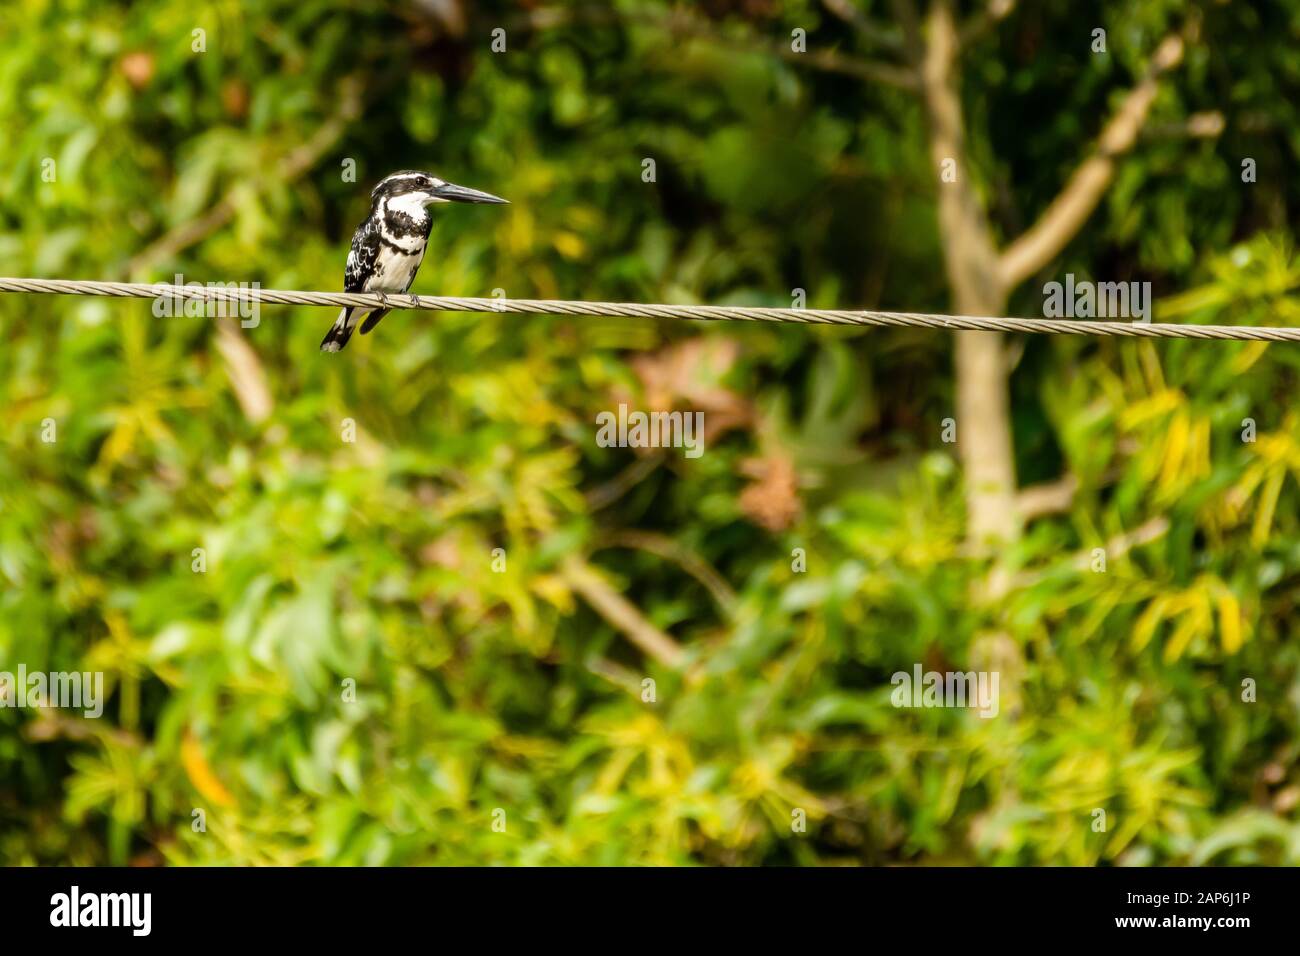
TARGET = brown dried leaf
x,y
138,68
686,375
772,501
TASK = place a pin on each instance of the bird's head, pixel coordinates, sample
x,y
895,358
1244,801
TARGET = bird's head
x,y
415,187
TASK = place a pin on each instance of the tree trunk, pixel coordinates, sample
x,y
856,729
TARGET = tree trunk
x,y
971,261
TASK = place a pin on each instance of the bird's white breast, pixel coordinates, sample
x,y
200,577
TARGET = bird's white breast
x,y
394,271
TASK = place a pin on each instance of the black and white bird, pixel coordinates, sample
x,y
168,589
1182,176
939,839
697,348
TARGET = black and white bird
x,y
388,247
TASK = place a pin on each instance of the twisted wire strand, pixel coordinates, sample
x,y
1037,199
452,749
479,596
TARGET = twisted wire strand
x,y
231,293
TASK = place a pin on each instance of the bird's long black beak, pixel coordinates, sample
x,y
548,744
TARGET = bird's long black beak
x,y
453,193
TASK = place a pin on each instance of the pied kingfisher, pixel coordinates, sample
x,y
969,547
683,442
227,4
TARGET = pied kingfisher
x,y
388,247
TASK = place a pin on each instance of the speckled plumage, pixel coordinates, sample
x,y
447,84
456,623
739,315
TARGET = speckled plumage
x,y
389,245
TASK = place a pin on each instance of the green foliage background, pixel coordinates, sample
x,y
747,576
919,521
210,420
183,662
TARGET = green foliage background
x,y
329,561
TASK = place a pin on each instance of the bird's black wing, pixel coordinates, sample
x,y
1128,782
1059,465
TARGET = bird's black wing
x,y
362,256
360,267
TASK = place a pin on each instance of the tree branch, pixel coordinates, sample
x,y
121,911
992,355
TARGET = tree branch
x,y
684,25
1062,220
1051,497
1115,548
867,29
905,14
245,371
827,61
621,613
602,496
1055,497
975,29
662,546
616,674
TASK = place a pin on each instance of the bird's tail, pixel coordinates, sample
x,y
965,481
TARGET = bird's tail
x,y
339,332
372,320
